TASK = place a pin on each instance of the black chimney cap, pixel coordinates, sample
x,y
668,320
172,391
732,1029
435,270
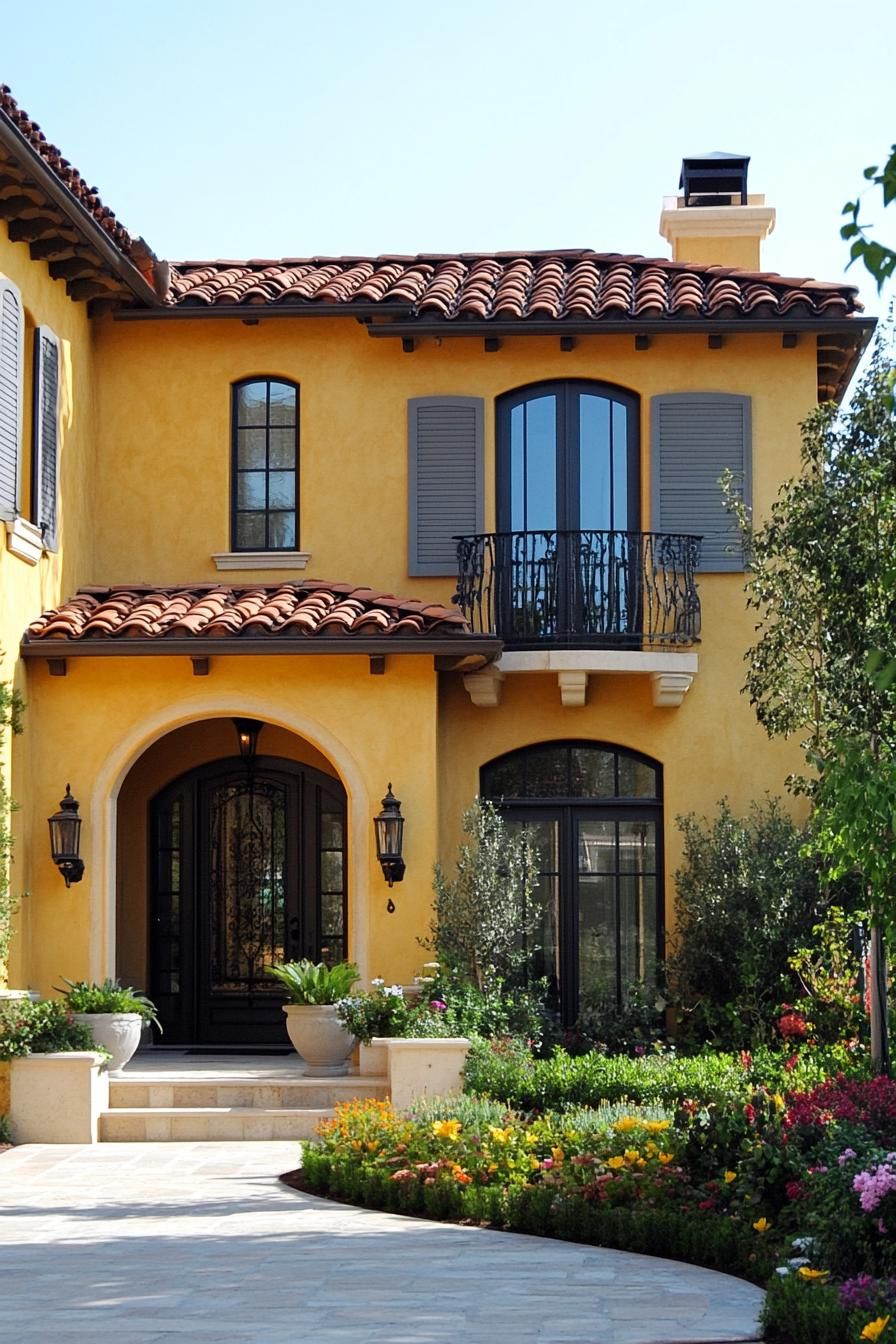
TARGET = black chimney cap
x,y
713,179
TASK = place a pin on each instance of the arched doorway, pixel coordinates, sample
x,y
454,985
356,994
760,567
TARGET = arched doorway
x,y
247,868
596,813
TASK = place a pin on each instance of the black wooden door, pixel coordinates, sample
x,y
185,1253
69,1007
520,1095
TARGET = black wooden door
x,y
248,870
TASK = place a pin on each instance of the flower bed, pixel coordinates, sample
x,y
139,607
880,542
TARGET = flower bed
x,y
700,1159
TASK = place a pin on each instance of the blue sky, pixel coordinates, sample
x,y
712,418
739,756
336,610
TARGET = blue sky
x,y
287,128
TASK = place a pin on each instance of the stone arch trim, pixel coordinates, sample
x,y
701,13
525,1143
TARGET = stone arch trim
x,y
107,785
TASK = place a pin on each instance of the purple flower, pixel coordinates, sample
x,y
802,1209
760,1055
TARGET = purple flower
x,y
438,1005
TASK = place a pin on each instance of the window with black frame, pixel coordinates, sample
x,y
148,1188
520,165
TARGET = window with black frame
x,y
595,812
265,472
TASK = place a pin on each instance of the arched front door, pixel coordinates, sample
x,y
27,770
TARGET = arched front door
x,y
247,869
596,815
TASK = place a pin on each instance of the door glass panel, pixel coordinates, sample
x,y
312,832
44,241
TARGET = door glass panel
x,y
543,944
620,468
251,450
247,878
597,847
598,932
533,465
595,493
282,449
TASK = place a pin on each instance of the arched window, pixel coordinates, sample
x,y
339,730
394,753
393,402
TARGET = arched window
x,y
568,458
596,813
265,473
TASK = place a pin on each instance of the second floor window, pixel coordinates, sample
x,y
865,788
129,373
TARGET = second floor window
x,y
568,459
265,473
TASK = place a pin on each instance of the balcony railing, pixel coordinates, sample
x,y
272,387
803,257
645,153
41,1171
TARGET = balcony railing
x,y
580,589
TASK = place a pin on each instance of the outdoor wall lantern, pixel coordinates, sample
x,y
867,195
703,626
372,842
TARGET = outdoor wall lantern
x,y
65,839
247,731
388,827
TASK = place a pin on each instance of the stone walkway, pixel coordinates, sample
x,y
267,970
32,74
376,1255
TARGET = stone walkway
x,y
164,1243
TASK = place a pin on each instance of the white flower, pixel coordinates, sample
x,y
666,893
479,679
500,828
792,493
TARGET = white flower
x,y
783,1271
797,1261
378,980
394,991
804,1244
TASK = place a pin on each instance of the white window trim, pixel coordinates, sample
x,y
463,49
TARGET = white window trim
x,y
261,559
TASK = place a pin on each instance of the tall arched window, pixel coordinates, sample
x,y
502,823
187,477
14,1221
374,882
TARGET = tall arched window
x,y
265,472
596,813
568,458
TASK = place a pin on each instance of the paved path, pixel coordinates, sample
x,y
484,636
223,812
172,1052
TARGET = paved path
x,y
165,1243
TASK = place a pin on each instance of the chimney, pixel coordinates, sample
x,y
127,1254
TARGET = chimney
x,y
713,221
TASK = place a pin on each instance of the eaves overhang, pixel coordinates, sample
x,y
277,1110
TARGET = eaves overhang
x,y
29,162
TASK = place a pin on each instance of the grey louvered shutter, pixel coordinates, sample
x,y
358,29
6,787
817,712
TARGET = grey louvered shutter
x,y
445,468
696,436
45,435
12,330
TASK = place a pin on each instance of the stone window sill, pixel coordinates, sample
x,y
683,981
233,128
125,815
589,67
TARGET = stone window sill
x,y
24,540
261,559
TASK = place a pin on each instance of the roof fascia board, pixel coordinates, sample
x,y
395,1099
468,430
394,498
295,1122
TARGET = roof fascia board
x,y
12,139
197,647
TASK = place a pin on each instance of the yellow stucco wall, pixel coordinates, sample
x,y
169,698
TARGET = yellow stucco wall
x,y
146,467
25,589
96,723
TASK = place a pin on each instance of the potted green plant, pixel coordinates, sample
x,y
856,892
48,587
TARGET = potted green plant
x,y
312,1023
115,1014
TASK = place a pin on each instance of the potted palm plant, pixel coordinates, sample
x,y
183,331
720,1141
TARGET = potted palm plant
x,y
312,1022
115,1015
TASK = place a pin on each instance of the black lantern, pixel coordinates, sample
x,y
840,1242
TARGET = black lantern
x,y
388,826
65,839
247,731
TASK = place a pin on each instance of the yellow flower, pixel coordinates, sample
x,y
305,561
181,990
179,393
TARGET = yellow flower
x,y
812,1274
874,1329
501,1135
557,1154
730,1176
666,1158
534,1163
626,1124
656,1126
530,1139
762,1225
650,1148
446,1129
779,1101
614,1163
631,1154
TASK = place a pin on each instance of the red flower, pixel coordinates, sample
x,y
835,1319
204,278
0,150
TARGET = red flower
x,y
792,1025
750,1113
746,1059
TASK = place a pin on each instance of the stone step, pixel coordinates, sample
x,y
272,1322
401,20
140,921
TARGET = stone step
x,y
182,1091
196,1124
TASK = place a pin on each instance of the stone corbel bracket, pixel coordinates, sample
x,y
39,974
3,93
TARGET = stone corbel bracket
x,y
671,674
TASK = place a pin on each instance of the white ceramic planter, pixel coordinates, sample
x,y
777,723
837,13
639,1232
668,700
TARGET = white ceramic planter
x,y
320,1038
119,1033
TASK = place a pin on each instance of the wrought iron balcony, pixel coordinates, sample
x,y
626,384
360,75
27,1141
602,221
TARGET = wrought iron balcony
x,y
581,589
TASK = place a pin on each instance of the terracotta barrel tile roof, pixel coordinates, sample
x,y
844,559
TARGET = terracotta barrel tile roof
x,y
67,174
577,285
311,609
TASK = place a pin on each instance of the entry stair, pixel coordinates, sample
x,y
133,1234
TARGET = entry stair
x,y
175,1096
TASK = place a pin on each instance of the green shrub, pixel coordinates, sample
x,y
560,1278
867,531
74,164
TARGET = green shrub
x,y
309,982
746,893
28,1028
508,1073
84,996
606,1024
806,1313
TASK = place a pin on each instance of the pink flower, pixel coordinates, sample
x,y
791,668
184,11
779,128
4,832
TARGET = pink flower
x,y
438,1005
